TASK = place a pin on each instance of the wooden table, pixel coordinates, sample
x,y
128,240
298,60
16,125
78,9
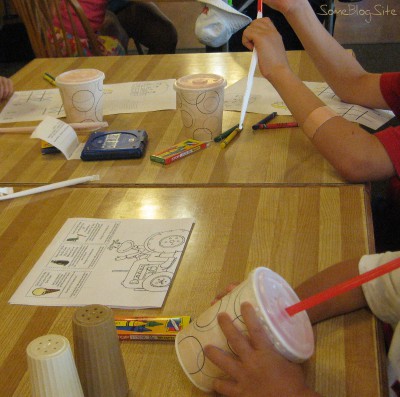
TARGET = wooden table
x,y
273,157
295,231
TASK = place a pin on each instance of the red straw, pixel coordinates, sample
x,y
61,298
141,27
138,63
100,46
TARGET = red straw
x,y
259,6
343,287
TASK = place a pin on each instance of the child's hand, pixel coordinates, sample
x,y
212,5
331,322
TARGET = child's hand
x,y
6,88
262,35
258,370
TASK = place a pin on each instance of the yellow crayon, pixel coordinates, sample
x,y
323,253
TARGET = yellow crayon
x,y
49,78
225,142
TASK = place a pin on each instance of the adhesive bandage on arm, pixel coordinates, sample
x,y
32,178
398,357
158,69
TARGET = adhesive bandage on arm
x,y
316,119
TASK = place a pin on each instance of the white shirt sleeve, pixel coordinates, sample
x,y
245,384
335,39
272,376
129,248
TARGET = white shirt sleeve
x,y
382,293
383,297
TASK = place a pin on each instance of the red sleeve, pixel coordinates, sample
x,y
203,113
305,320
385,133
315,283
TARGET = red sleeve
x,y
390,88
390,139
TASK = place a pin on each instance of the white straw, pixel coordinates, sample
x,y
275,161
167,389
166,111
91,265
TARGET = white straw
x,y
250,79
88,126
6,190
52,186
246,96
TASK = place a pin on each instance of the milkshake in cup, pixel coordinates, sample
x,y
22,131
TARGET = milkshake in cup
x,y
200,99
270,295
82,94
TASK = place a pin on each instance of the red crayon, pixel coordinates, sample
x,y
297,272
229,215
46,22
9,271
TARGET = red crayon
x,y
277,125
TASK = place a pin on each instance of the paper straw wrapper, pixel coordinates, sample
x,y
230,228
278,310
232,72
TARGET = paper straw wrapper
x,y
51,186
79,127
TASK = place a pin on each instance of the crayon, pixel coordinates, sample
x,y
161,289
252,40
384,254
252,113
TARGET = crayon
x,y
225,142
49,78
277,125
264,120
222,136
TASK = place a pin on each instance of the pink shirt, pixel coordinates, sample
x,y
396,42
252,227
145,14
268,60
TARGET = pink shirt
x,y
95,11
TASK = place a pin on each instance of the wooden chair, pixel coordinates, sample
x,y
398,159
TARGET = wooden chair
x,y
38,17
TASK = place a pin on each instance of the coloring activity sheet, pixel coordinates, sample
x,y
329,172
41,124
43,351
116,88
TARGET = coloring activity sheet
x,y
144,96
124,263
264,99
134,97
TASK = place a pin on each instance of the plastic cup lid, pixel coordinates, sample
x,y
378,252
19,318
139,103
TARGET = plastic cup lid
x,y
79,76
274,295
200,81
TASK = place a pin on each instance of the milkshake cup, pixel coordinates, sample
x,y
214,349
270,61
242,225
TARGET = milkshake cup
x,y
82,94
270,295
52,369
200,99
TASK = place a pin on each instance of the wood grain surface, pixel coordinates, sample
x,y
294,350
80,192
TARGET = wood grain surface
x,y
253,158
295,231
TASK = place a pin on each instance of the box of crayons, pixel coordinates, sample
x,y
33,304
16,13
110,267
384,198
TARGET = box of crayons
x,y
178,151
150,328
47,148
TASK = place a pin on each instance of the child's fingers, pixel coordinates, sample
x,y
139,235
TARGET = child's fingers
x,y
223,360
236,340
6,87
257,334
226,387
9,87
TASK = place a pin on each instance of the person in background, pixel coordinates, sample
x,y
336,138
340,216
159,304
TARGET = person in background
x,y
289,37
145,23
6,88
259,370
95,11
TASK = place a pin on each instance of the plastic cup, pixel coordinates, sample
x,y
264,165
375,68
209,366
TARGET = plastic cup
x,y
200,99
269,294
82,94
52,368
97,353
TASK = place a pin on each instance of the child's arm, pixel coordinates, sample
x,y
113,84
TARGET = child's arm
x,y
340,69
381,295
357,155
6,88
333,275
